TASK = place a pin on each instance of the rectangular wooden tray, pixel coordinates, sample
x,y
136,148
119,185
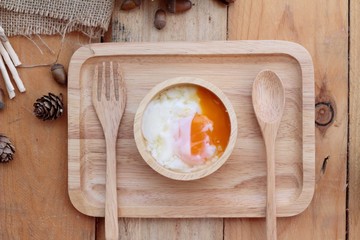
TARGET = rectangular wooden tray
x,y
238,188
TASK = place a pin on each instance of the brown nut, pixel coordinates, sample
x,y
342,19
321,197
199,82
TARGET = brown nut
x,y
178,6
130,4
59,74
2,103
160,19
227,1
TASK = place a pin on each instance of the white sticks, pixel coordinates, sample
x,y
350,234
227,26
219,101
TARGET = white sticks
x,y
11,52
12,68
11,59
9,87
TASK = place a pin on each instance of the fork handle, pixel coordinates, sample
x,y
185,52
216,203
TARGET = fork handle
x,y
111,209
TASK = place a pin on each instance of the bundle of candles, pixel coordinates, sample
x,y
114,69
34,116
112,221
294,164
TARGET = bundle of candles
x,y
10,58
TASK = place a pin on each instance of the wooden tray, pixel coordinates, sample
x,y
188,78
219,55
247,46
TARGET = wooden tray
x,y
238,188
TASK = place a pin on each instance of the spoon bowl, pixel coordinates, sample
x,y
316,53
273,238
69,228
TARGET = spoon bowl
x,y
268,97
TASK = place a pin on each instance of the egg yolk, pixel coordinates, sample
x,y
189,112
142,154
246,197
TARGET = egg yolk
x,y
212,126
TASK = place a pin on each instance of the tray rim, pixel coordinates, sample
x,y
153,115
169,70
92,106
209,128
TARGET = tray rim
x,y
240,47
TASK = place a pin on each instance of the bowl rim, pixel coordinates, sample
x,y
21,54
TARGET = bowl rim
x,y
140,141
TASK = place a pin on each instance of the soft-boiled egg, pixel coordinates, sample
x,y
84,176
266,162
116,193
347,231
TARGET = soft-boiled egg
x,y
186,127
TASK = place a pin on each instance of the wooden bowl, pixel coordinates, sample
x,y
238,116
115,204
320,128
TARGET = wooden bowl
x,y
141,142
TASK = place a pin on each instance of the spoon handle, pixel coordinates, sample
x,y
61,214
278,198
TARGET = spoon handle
x,y
270,193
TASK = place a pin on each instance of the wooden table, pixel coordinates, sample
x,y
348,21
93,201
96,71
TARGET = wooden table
x,y
34,203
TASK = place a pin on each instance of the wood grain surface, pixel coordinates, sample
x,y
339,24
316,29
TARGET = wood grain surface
x,y
354,124
321,27
206,20
33,193
34,202
157,228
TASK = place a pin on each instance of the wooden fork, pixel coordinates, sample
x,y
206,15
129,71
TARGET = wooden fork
x,y
109,99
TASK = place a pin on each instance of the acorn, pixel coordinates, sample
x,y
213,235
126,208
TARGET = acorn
x,y
58,73
178,6
226,2
130,4
2,103
160,19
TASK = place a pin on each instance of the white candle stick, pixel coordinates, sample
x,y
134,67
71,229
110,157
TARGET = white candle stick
x,y
14,57
9,48
12,68
9,87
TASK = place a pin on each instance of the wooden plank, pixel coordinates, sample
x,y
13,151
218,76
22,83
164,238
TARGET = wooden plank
x,y
207,20
154,229
34,202
354,123
320,26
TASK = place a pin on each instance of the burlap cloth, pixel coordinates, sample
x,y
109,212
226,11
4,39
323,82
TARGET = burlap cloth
x,y
26,17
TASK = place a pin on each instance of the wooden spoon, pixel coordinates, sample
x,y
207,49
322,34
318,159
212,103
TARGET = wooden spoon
x,y
268,97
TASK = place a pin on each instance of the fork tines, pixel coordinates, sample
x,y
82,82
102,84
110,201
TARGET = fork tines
x,y
108,76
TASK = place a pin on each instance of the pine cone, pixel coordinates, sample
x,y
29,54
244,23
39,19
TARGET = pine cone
x,y
6,149
49,107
